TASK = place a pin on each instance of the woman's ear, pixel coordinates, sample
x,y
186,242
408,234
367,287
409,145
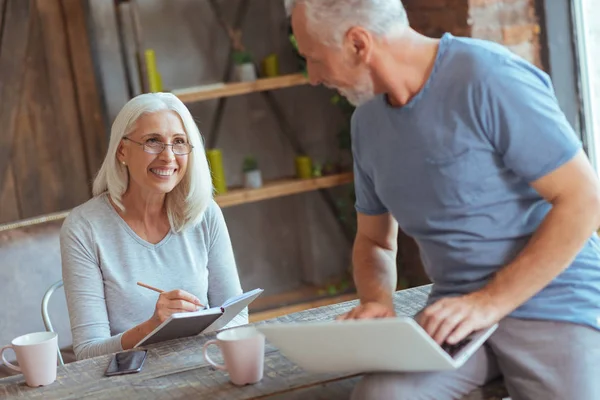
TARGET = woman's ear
x,y
121,153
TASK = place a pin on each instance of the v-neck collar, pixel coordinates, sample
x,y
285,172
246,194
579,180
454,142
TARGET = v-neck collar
x,y
131,232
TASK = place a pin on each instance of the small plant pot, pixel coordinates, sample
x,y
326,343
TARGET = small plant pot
x,y
253,179
245,72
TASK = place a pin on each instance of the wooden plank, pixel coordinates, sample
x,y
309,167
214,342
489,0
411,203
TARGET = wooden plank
x,y
74,187
130,47
9,210
138,35
32,178
334,389
2,11
93,129
282,187
319,302
15,35
303,294
38,183
107,56
219,90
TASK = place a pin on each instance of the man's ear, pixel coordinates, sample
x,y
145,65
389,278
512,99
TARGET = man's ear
x,y
360,41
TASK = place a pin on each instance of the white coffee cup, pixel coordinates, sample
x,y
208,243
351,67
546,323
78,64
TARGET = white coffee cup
x,y
36,355
243,352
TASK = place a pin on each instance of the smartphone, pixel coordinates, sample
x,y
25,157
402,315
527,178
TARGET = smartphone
x,y
126,362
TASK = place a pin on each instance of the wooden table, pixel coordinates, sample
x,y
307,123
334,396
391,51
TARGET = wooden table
x,y
176,370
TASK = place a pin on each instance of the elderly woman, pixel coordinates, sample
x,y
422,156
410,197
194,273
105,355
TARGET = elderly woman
x,y
152,219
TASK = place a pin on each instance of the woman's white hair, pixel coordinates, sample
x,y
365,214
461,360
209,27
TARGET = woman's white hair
x,y
332,18
187,202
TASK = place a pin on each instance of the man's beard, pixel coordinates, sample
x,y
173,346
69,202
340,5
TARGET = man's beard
x,y
359,94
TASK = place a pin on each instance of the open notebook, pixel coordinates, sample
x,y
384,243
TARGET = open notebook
x,y
193,323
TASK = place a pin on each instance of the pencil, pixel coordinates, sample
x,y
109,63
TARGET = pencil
x,y
149,287
157,290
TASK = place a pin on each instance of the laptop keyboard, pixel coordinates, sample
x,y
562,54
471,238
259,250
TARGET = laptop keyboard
x,y
452,349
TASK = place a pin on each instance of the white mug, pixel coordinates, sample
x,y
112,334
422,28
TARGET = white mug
x,y
243,352
36,355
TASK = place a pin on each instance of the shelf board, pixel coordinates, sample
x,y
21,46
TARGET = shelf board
x,y
218,90
280,188
321,302
302,298
299,299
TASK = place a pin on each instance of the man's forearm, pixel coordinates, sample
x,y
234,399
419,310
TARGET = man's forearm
x,y
550,251
374,271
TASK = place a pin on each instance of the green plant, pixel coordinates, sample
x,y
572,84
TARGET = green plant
x,y
250,164
344,141
301,60
345,202
241,57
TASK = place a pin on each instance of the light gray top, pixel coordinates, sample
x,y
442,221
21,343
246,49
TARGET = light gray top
x,y
103,259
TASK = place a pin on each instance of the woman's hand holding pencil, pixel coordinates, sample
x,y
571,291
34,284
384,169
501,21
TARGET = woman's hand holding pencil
x,y
175,301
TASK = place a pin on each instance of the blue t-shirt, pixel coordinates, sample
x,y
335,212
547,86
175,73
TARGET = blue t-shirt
x,y
453,166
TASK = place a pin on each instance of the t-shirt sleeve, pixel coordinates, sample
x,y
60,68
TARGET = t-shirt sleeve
x,y
367,201
522,119
84,291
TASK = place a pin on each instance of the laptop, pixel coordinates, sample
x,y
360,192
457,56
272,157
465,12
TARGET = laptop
x,y
374,345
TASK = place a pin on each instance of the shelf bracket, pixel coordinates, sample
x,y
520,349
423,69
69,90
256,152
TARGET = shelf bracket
x,y
215,124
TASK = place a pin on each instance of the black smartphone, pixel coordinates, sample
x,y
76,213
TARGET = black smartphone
x,y
126,362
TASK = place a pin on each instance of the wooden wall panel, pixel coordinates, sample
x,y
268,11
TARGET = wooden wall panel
x,y
53,138
8,198
93,128
12,56
108,56
37,146
8,195
67,139
2,10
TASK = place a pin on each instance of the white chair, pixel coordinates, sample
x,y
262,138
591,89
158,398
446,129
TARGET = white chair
x,y
46,316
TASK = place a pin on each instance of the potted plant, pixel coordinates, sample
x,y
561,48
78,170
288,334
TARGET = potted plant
x,y
244,66
252,175
242,59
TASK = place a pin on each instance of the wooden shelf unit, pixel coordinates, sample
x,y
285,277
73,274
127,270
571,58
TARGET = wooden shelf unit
x,y
280,188
220,90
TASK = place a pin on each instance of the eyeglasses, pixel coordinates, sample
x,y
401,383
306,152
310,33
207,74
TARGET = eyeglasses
x,y
157,147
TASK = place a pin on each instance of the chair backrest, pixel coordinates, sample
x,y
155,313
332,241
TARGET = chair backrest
x,y
29,264
46,314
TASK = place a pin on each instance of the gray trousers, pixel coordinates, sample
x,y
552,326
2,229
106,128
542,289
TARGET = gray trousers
x,y
540,360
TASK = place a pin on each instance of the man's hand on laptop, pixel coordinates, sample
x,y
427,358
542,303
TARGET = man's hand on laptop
x,y
452,319
370,309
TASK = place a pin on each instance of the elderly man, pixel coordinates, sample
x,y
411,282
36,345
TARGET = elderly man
x,y
463,144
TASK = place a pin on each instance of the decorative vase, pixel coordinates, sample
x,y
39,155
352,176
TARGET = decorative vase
x,y
253,179
270,66
303,167
245,72
215,161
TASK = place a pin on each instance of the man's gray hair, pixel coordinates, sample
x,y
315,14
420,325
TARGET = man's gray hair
x,y
332,18
187,202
